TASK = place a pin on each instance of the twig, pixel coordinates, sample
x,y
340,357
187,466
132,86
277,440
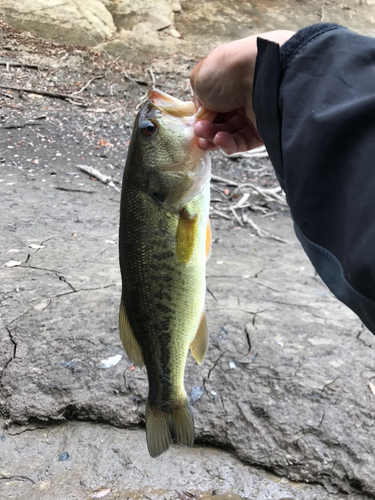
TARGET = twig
x,y
7,64
322,13
242,202
62,188
254,153
152,76
105,179
87,84
236,216
60,65
262,232
30,122
81,104
9,96
228,182
221,214
57,95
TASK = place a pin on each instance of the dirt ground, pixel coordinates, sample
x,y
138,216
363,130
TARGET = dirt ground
x,y
284,404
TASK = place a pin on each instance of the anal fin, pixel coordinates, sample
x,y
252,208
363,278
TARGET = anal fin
x,y
131,346
199,345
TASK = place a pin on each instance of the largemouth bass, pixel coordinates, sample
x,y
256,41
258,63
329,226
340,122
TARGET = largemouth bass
x,y
164,241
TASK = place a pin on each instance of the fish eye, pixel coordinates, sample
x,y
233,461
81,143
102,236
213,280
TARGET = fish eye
x,y
148,128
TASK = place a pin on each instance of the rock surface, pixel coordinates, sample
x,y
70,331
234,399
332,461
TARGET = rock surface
x,y
71,21
138,31
288,383
82,461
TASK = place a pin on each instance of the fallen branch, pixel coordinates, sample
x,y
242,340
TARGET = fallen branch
x,y
267,194
57,95
30,122
105,179
17,64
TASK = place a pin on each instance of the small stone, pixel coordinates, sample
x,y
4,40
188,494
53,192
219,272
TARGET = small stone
x,y
72,365
64,457
101,492
196,393
173,32
13,263
107,363
176,7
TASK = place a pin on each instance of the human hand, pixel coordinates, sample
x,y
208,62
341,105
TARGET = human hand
x,y
223,82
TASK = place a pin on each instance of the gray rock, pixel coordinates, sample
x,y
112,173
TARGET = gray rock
x,y
85,22
109,460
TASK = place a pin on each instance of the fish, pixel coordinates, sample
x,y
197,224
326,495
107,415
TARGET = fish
x,y
164,242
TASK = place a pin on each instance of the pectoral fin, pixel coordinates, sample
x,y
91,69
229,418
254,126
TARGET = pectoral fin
x,y
186,236
199,345
208,239
128,339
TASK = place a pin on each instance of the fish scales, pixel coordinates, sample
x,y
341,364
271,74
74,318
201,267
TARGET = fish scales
x,y
164,295
163,246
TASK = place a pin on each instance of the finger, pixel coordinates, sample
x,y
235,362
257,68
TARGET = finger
x,y
241,141
208,130
194,75
207,145
205,130
196,101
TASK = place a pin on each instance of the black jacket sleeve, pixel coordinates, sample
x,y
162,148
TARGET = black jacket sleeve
x,y
314,101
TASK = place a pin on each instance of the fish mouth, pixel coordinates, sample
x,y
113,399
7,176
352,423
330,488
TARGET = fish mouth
x,y
175,107
171,105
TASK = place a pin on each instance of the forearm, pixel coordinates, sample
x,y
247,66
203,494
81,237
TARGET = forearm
x,y
315,109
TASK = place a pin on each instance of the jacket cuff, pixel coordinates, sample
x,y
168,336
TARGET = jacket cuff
x,y
299,39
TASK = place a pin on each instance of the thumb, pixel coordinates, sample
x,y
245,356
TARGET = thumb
x,y
194,75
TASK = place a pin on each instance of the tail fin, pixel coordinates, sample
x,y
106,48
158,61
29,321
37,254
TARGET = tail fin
x,y
164,428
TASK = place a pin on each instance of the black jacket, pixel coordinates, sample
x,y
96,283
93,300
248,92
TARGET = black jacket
x,y
314,100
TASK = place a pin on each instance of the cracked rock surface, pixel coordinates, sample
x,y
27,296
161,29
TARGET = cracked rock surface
x,y
287,385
